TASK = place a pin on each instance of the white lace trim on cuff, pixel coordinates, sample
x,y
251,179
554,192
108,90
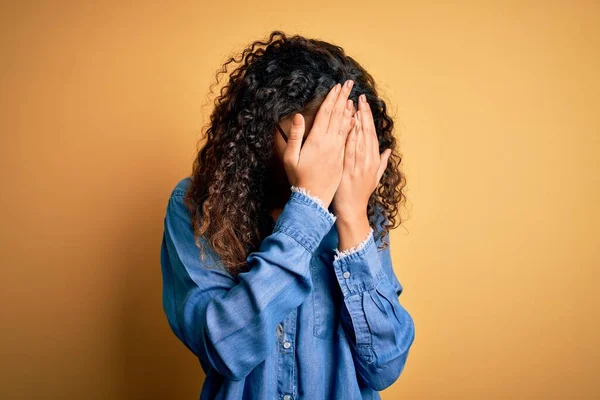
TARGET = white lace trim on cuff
x,y
317,200
340,254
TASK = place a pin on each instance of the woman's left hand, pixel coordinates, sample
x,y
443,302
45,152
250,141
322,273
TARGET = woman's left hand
x,y
363,165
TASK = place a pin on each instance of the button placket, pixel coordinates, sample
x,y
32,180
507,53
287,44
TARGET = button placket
x,y
281,333
286,375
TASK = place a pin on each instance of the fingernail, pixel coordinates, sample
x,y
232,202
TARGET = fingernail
x,y
363,98
349,83
337,87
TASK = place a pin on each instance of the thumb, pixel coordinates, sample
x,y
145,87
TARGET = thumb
x,y
292,149
383,163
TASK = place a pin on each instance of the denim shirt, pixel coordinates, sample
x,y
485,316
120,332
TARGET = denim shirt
x,y
307,321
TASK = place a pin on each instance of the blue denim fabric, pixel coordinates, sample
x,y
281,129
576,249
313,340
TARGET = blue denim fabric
x,y
305,322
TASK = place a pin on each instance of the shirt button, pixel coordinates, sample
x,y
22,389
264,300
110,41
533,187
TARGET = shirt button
x,y
346,275
287,397
287,346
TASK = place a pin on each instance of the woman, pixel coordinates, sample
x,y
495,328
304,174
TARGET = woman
x,y
275,269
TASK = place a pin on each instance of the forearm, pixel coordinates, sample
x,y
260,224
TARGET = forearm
x,y
352,230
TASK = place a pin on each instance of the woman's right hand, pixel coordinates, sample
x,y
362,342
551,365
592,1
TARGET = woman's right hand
x,y
318,166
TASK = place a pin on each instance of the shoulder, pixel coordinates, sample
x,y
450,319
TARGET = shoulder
x,y
181,187
177,209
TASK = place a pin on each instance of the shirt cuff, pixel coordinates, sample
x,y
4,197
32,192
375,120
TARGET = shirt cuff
x,y
341,254
358,269
305,193
305,219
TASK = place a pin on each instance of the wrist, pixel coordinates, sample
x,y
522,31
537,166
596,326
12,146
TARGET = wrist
x,y
350,216
352,230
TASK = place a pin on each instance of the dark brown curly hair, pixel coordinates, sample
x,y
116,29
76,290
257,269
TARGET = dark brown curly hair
x,y
229,195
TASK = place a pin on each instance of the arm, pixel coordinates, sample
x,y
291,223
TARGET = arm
x,y
231,325
380,329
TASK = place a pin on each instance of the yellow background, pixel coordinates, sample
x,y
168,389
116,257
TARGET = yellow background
x,y
497,113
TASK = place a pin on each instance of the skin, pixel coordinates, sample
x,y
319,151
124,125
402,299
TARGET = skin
x,y
363,167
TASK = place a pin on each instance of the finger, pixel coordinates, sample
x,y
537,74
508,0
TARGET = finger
x,y
360,140
347,119
350,148
383,163
368,126
373,130
291,153
339,111
322,117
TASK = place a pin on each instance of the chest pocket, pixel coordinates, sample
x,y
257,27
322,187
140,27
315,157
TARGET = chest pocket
x,y
327,298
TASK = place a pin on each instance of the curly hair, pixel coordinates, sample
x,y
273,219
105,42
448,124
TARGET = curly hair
x,y
229,193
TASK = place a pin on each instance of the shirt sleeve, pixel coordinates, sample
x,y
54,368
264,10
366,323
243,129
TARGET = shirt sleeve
x,y
230,325
380,329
